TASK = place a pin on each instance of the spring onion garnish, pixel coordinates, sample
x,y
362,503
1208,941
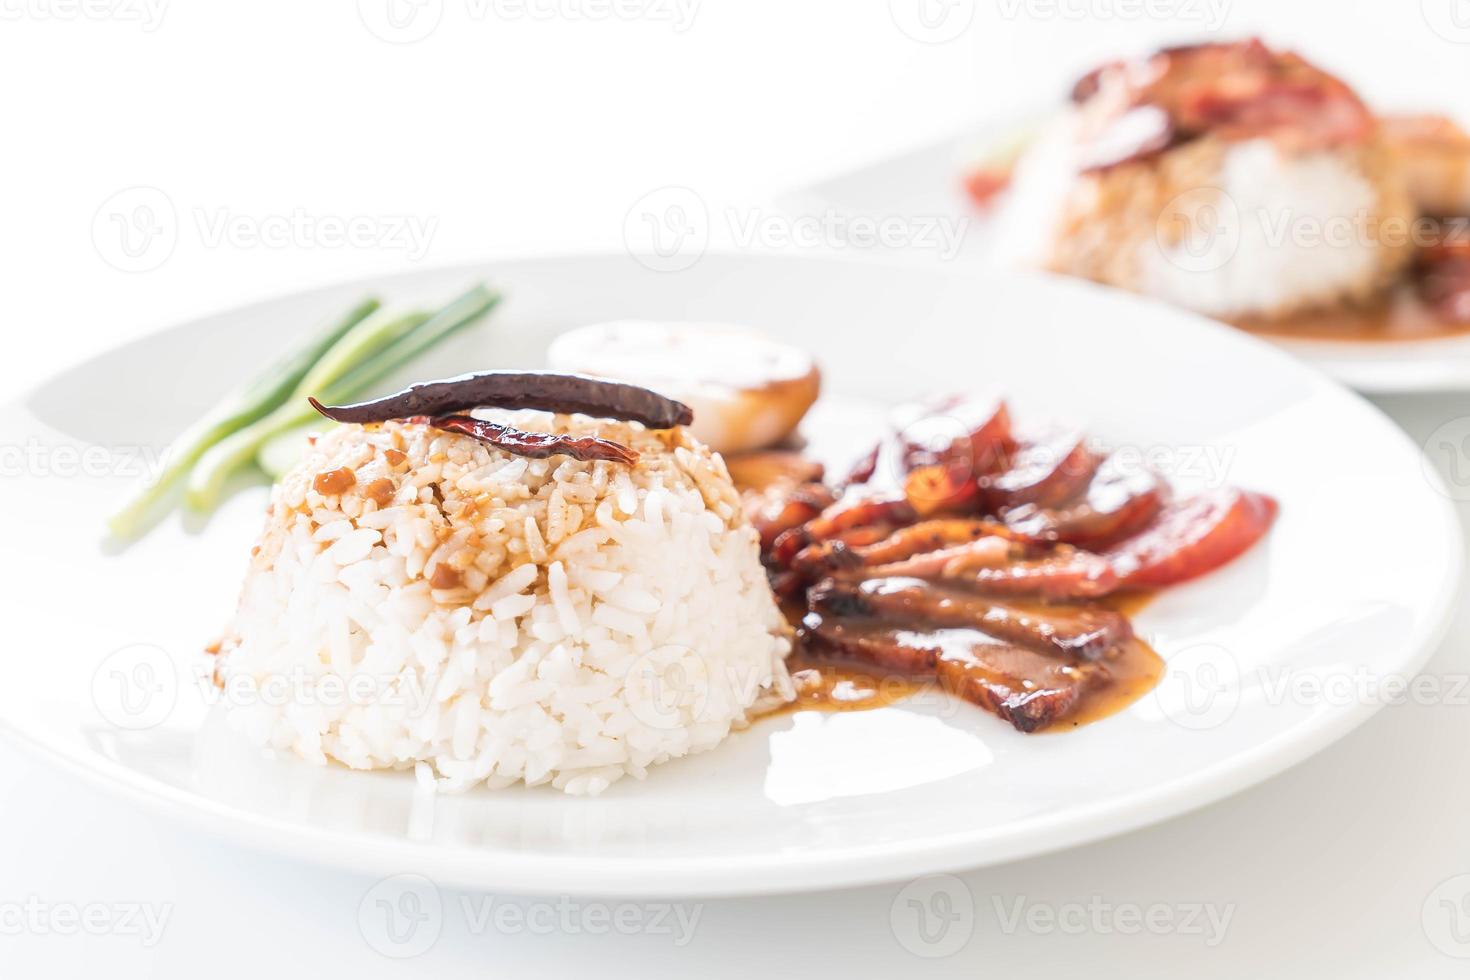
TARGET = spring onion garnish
x,y
247,404
366,355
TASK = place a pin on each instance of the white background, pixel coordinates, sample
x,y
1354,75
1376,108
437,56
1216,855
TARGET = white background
x,y
515,128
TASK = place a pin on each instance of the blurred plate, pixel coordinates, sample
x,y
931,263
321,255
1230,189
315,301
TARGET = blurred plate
x,y
924,185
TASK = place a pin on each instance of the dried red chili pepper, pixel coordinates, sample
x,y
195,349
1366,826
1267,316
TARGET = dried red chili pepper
x,y
535,445
545,390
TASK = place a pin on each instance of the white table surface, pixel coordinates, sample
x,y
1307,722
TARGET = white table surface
x,y
507,132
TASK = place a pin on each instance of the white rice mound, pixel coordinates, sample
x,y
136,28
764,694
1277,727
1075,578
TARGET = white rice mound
x,y
1228,229
492,619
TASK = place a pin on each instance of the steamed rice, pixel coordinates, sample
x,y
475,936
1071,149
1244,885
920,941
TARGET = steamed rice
x,y
497,619
1228,229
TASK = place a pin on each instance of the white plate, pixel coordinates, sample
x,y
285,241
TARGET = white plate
x,y
800,802
925,184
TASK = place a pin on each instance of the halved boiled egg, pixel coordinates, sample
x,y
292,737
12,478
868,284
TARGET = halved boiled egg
x,y
748,390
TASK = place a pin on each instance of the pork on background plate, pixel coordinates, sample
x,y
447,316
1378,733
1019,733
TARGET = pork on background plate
x,y
1228,178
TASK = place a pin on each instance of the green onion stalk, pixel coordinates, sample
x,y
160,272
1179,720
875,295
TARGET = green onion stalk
x,y
252,401
365,356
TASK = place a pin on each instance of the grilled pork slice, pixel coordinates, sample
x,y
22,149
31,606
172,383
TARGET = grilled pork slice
x,y
1117,501
960,432
1089,632
1194,536
857,510
1046,473
999,567
824,557
991,564
1030,690
783,507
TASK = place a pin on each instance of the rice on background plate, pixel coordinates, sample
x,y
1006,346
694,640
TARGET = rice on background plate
x,y
419,597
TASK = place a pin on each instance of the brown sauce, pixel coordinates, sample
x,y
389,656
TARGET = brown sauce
x,y
830,686
1402,316
1134,672
1129,603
